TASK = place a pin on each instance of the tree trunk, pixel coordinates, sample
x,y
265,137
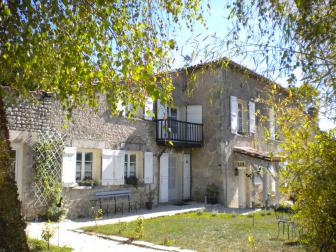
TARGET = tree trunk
x,y
12,225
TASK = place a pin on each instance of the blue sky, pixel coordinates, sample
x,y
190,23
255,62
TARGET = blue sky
x,y
216,23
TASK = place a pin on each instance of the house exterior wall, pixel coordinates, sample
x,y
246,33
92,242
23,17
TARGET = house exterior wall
x,y
214,163
87,131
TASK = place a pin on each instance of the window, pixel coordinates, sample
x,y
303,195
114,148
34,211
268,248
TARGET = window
x,y
130,166
84,162
242,120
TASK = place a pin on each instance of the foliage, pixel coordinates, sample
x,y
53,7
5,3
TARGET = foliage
x,y
132,180
39,246
97,214
78,50
139,229
309,175
46,176
88,182
47,233
12,225
206,232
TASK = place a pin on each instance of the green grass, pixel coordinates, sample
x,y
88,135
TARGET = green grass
x,y
207,232
39,245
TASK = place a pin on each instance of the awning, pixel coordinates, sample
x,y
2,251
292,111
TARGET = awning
x,y
257,154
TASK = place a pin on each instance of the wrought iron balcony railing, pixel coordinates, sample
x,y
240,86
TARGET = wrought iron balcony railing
x,y
179,133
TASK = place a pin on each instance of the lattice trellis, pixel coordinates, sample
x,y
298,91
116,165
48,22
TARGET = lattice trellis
x,y
47,157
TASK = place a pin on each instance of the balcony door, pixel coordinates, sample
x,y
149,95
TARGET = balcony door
x,y
173,124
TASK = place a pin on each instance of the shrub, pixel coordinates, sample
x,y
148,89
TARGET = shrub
x,y
47,233
139,229
200,211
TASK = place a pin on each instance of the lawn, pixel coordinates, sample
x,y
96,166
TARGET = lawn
x,y
207,232
39,246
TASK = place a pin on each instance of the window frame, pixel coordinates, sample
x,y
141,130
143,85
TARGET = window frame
x,y
127,165
83,163
244,129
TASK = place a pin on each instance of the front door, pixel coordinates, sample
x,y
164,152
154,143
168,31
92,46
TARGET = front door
x,y
172,177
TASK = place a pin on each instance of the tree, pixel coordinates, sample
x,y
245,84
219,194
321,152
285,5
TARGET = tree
x,y
310,175
281,38
79,50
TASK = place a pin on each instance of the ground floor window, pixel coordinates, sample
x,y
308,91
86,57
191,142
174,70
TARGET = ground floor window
x,y
130,167
84,162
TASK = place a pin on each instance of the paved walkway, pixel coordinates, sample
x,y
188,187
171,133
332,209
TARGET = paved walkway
x,y
65,234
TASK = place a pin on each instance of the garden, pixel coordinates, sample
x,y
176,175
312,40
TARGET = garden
x,y
207,231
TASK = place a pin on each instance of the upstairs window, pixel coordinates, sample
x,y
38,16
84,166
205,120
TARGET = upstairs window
x,y
242,114
84,162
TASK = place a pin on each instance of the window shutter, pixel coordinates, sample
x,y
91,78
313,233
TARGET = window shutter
x,y
271,124
69,167
164,177
234,114
194,113
161,110
148,177
113,167
149,108
252,117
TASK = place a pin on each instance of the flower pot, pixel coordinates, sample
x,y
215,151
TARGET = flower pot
x,y
149,205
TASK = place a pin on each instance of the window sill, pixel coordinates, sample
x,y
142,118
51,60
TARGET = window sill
x,y
78,187
243,134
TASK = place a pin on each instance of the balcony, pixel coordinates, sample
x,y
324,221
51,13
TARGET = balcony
x,y
179,133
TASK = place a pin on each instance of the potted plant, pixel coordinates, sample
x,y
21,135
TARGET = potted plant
x,y
150,198
132,180
212,193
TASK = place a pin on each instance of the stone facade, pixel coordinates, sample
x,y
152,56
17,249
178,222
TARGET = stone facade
x,y
213,163
212,87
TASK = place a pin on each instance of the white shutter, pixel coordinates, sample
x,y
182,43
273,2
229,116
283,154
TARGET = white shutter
x,y
113,167
234,114
194,113
186,176
148,177
149,108
271,124
69,167
161,110
252,117
164,177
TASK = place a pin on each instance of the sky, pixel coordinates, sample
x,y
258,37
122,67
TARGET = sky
x,y
216,23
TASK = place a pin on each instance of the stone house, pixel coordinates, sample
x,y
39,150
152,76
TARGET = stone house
x,y
209,136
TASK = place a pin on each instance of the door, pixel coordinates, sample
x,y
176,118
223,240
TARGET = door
x,y
173,124
172,178
242,188
186,176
